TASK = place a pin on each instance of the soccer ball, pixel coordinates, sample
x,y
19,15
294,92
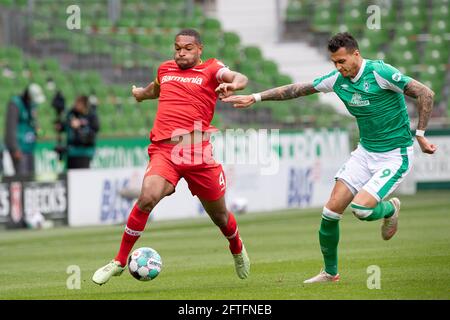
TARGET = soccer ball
x,y
144,264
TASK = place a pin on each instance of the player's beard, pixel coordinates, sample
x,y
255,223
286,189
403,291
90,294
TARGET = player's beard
x,y
186,64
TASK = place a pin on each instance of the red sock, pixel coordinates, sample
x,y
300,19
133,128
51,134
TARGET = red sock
x,y
133,230
231,232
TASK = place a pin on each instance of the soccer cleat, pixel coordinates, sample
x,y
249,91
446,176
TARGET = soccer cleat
x,y
112,269
390,225
242,263
323,277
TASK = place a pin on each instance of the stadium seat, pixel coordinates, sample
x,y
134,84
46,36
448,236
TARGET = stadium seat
x,y
282,80
231,39
440,26
325,17
231,56
253,53
354,15
212,25
296,11
148,26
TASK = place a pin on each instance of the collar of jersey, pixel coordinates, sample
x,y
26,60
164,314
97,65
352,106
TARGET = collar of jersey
x,y
360,72
194,67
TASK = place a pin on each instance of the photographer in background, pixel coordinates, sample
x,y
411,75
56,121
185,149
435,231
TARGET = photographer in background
x,y
21,128
81,127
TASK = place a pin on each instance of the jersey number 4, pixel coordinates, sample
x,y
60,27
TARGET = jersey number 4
x,y
221,179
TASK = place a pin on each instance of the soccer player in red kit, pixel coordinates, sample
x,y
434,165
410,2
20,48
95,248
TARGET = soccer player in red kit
x,y
187,89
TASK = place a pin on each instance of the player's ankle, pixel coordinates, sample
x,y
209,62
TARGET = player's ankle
x,y
236,248
122,263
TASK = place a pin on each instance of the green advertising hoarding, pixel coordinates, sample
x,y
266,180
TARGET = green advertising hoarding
x,y
110,153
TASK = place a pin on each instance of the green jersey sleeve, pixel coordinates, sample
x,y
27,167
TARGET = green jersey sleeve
x,y
390,78
326,83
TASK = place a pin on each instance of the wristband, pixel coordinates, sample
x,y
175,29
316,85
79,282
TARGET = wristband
x,y
420,133
257,97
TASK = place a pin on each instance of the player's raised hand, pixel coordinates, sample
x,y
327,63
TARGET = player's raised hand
x,y
225,90
138,93
426,146
240,101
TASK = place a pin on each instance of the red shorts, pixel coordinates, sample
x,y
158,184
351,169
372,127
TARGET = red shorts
x,y
194,163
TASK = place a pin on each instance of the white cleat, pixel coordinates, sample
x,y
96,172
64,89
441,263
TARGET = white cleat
x,y
390,225
112,269
323,277
242,263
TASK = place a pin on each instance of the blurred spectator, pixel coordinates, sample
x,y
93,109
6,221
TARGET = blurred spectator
x,y
82,126
21,128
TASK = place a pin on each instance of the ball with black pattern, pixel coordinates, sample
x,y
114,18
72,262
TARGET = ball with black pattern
x,y
144,264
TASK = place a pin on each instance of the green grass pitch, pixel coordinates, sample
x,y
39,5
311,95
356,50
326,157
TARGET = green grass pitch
x,y
283,248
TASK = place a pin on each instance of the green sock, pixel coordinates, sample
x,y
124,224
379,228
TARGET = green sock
x,y
329,239
384,209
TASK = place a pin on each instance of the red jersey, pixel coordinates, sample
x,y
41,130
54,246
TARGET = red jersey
x,y
186,97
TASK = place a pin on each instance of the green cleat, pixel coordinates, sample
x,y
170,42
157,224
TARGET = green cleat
x,y
242,263
112,269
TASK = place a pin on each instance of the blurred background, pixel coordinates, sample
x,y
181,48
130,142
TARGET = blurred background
x,y
274,42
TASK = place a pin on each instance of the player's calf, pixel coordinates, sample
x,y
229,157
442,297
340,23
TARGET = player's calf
x,y
383,209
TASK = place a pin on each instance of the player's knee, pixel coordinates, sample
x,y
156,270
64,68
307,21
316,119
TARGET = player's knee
x,y
147,201
328,214
220,218
359,211
334,206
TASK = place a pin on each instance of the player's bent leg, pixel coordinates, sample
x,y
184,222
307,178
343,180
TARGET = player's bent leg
x,y
340,198
367,208
226,221
154,188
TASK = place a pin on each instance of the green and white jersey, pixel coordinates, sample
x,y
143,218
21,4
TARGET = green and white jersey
x,y
375,97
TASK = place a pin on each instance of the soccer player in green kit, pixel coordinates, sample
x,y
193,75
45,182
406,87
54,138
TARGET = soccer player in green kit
x,y
373,92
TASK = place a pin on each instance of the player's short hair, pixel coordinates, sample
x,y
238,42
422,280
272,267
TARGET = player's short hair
x,y
342,40
83,99
192,33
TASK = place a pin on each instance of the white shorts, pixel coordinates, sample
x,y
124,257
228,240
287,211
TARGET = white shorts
x,y
379,173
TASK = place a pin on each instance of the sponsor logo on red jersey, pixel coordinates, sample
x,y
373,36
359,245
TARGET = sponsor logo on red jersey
x,y
196,80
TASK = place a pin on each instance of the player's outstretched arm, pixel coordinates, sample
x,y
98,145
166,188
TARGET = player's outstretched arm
x,y
424,96
290,91
232,81
149,92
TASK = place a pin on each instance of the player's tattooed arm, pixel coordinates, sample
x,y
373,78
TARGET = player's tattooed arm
x,y
424,96
290,91
286,92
